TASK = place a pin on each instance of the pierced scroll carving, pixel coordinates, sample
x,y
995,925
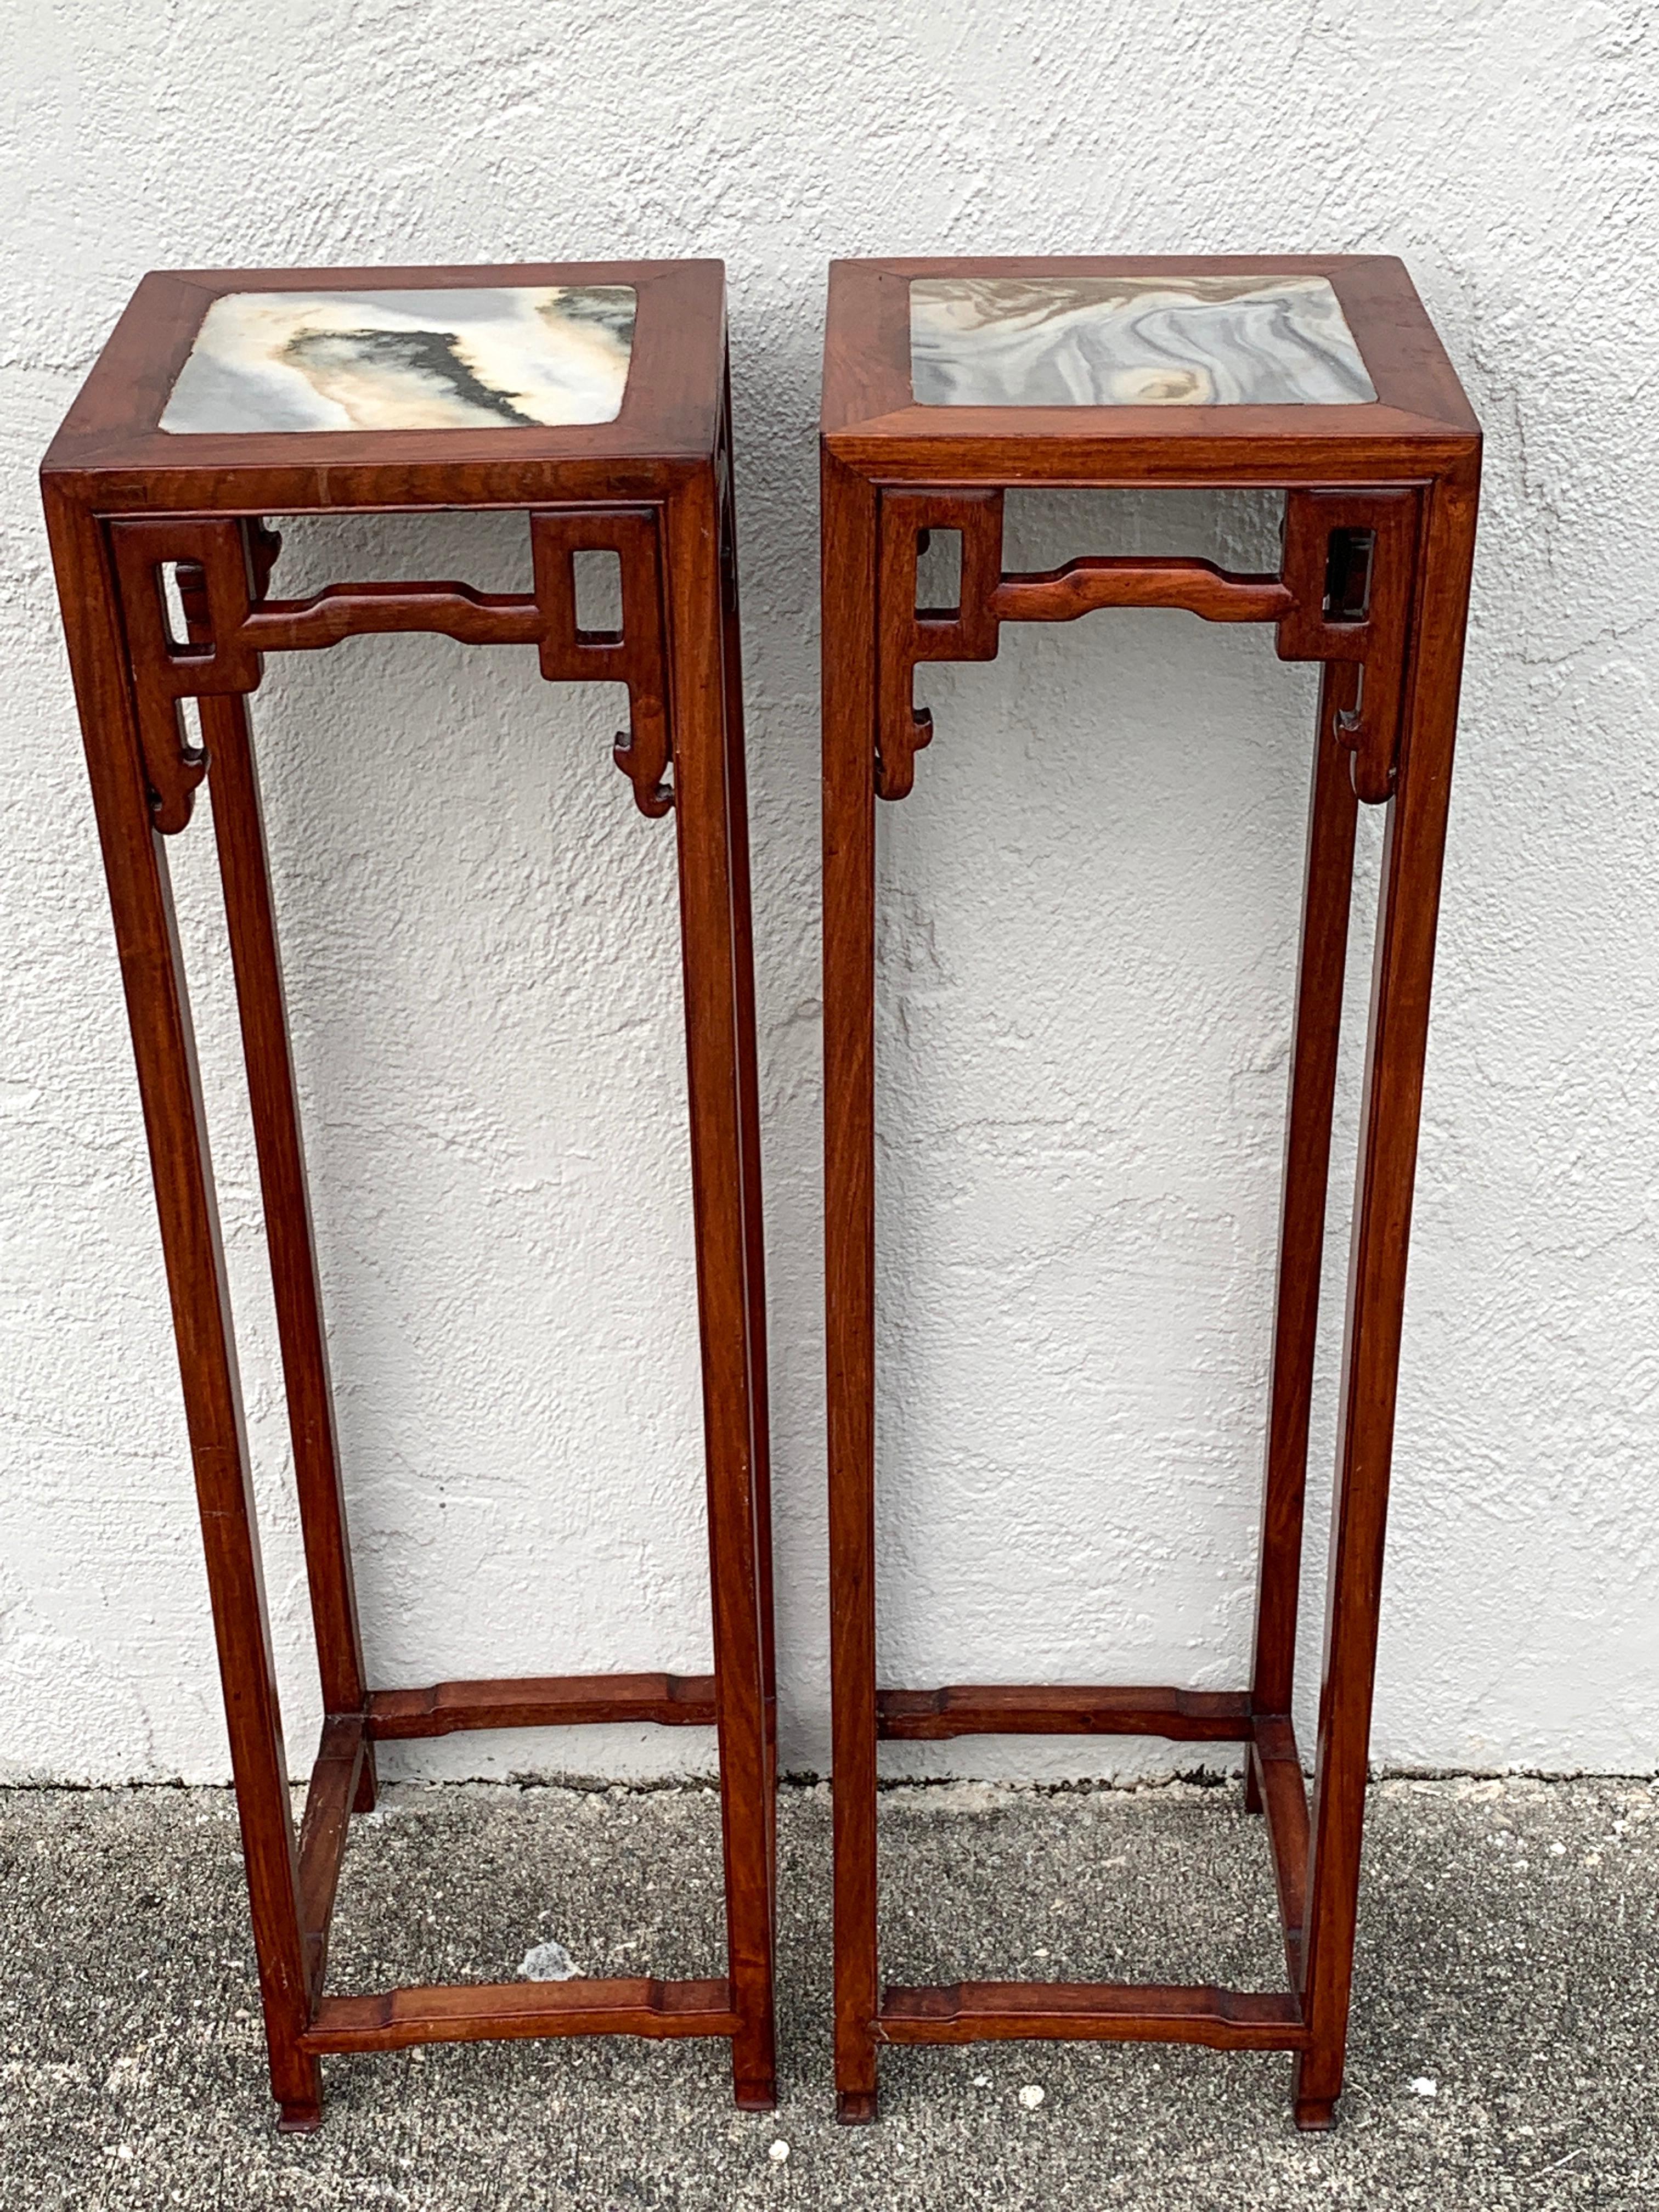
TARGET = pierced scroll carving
x,y
636,656
217,590
909,634
1351,566
223,567
263,547
1344,593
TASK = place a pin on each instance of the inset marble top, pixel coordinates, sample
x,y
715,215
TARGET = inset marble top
x,y
1132,342
479,359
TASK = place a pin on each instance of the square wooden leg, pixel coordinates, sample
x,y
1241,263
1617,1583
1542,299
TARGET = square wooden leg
x,y
1331,814
152,969
712,841
849,907
251,926
1413,850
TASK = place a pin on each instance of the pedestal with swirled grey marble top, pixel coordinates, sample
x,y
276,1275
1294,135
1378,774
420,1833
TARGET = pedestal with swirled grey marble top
x,y
1132,342
467,359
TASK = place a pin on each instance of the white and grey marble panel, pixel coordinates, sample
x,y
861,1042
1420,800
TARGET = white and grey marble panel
x,y
1132,342
474,358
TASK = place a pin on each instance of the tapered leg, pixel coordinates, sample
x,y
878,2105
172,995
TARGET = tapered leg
x,y
1327,898
719,1011
239,829
1408,907
849,728
153,973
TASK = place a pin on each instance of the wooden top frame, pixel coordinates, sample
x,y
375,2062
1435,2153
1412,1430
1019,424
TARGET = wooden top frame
x,y
110,454
1420,426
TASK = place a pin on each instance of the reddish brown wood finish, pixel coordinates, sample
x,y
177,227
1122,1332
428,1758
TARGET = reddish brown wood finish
x,y
323,1831
494,2012
232,627
240,837
670,421
1414,841
124,498
719,1028
1374,583
1332,815
1095,2012
850,722
554,1701
1275,1769
1421,423
1127,581
1185,1715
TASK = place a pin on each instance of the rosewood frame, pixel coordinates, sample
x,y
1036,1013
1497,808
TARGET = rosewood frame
x,y
124,502
1380,518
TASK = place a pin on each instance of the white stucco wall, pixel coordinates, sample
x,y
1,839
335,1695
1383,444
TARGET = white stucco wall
x,y
1089,919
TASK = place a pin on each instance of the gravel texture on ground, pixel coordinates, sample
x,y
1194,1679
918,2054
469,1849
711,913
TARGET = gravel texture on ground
x,y
1504,2045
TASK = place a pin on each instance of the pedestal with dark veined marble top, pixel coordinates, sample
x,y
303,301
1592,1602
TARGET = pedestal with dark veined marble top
x,y
594,400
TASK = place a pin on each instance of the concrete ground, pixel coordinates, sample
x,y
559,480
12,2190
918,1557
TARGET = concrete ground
x,y
1504,2048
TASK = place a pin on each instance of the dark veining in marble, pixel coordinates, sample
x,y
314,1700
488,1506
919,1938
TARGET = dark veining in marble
x,y
515,357
428,355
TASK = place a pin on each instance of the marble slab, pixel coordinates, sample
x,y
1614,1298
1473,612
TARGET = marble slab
x,y
473,359
1132,342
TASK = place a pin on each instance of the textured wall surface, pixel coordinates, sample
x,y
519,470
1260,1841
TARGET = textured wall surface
x,y
1089,919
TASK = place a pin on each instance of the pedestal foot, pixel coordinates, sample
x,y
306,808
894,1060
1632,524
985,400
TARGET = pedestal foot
x,y
855,2108
1315,2115
299,2119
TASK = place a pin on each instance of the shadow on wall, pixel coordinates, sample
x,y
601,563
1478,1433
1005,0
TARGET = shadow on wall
x,y
1090,918
480,939
1088,936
